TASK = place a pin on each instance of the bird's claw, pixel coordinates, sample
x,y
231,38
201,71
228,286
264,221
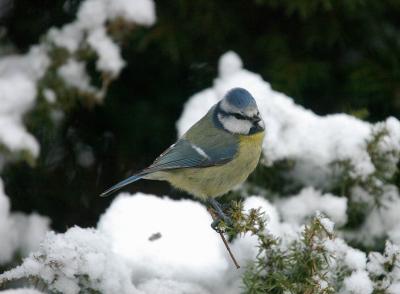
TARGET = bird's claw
x,y
221,216
215,224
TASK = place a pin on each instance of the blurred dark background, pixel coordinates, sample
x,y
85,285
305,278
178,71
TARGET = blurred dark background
x,y
330,56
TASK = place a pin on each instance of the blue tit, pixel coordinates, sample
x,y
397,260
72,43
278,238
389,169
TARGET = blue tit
x,y
216,154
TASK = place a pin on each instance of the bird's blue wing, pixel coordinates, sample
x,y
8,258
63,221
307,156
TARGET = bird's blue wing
x,y
185,154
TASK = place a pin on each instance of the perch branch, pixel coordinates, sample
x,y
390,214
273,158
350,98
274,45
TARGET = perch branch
x,y
211,211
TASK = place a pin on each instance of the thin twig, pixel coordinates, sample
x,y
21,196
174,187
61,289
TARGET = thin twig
x,y
214,217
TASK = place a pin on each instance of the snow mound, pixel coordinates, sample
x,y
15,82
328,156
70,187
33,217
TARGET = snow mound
x,y
181,226
172,242
149,245
80,259
143,244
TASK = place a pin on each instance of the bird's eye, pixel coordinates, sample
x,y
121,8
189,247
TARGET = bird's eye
x,y
238,116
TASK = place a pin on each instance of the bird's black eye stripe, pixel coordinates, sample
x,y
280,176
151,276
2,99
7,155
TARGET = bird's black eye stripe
x,y
238,116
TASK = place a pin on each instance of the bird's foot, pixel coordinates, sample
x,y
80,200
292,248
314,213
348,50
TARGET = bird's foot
x,y
215,224
221,216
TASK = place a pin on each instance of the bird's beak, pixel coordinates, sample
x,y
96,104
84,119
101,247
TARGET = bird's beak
x,y
255,119
258,124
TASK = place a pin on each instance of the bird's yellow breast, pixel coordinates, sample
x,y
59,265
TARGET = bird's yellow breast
x,y
217,180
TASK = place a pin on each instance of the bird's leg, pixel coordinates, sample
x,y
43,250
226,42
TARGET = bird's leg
x,y
220,214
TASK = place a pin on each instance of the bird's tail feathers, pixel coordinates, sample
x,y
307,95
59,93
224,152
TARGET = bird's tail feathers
x,y
123,183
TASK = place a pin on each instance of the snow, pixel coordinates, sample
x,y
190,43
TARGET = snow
x,y
275,226
90,27
18,77
20,102
78,257
32,65
229,64
326,223
355,259
120,257
386,266
358,283
18,232
49,95
298,208
391,142
6,246
69,36
383,220
92,14
30,230
21,291
394,288
146,215
74,74
137,11
110,59
165,286
180,254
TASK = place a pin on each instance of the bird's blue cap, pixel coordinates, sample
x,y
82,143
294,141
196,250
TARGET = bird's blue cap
x,y
240,98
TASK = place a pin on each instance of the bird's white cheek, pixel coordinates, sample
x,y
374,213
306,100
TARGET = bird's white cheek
x,y
234,125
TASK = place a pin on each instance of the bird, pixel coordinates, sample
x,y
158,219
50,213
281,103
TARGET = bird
x,y
215,155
